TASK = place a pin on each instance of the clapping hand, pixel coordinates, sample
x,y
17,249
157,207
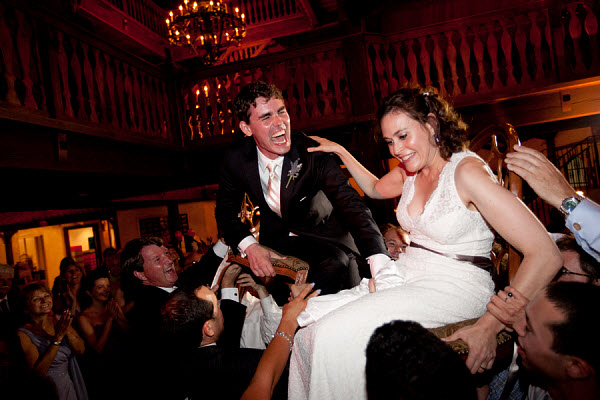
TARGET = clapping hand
x,y
115,310
62,325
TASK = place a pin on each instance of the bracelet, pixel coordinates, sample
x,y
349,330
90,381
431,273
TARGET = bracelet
x,y
55,343
286,336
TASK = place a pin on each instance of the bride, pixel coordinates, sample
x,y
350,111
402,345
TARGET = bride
x,y
450,199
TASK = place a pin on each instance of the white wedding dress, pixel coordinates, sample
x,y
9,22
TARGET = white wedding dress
x,y
328,358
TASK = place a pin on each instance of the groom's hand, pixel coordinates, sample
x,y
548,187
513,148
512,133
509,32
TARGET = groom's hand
x,y
260,260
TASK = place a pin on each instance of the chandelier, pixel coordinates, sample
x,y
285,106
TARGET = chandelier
x,y
208,26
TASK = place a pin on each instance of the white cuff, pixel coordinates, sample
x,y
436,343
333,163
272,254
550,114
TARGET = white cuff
x,y
220,249
269,306
243,245
381,264
230,294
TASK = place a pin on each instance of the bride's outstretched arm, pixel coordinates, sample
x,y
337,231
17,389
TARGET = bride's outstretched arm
x,y
387,187
517,224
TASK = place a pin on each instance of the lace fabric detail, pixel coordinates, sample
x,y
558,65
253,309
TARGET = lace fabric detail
x,y
446,224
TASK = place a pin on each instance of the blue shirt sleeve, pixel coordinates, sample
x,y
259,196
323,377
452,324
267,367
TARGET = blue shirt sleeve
x,y
584,222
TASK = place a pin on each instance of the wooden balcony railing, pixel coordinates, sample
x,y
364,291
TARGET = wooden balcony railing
x,y
57,76
257,12
145,12
487,56
313,81
265,11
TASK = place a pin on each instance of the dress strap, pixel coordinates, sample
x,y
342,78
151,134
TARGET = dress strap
x,y
481,262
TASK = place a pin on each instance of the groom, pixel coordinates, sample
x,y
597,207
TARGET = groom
x,y
307,207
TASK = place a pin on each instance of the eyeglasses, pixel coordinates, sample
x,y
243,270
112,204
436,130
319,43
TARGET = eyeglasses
x,y
564,271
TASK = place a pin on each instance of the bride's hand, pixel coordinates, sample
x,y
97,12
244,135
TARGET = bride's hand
x,y
372,286
481,340
325,145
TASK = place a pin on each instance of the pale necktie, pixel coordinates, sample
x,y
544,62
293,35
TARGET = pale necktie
x,y
4,305
273,189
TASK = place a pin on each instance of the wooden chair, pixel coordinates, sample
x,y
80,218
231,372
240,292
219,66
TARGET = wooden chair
x,y
288,268
292,268
492,144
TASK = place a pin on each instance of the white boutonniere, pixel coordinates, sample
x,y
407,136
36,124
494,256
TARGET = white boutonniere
x,y
294,171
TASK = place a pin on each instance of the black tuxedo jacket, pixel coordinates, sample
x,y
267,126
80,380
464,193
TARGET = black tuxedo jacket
x,y
318,203
222,371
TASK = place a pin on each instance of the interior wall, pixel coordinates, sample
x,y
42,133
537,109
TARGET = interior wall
x,y
572,136
201,218
3,252
54,247
128,221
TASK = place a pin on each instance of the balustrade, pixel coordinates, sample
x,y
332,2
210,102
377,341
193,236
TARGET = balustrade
x,y
314,85
507,52
146,12
256,12
65,76
264,11
85,84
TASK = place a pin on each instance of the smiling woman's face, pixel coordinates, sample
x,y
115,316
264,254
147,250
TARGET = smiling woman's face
x,y
39,302
73,274
409,141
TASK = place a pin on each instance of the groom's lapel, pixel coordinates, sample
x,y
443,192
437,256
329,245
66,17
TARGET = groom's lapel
x,y
250,168
287,189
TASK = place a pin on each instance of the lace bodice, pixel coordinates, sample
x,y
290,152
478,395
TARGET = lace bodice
x,y
446,224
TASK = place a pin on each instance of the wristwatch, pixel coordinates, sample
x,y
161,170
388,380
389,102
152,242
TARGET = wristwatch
x,y
569,204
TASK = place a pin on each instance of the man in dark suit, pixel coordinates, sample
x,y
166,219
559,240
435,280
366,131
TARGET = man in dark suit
x,y
150,277
206,340
9,314
307,207
7,301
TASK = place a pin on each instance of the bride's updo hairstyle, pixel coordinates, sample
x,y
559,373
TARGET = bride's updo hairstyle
x,y
418,103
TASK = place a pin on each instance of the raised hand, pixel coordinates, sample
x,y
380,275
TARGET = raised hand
x,y
292,309
543,177
245,280
230,276
62,325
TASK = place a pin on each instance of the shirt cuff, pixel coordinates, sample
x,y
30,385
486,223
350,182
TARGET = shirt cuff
x,y
220,249
230,294
243,245
269,306
380,263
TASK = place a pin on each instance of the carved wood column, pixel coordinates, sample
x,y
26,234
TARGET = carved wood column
x,y
7,236
361,92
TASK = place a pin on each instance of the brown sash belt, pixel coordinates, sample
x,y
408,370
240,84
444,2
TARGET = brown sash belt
x,y
481,262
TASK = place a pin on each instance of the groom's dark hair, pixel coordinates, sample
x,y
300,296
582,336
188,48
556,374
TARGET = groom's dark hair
x,y
248,95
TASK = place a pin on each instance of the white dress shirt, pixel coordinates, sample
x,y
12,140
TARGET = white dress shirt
x,y
263,173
